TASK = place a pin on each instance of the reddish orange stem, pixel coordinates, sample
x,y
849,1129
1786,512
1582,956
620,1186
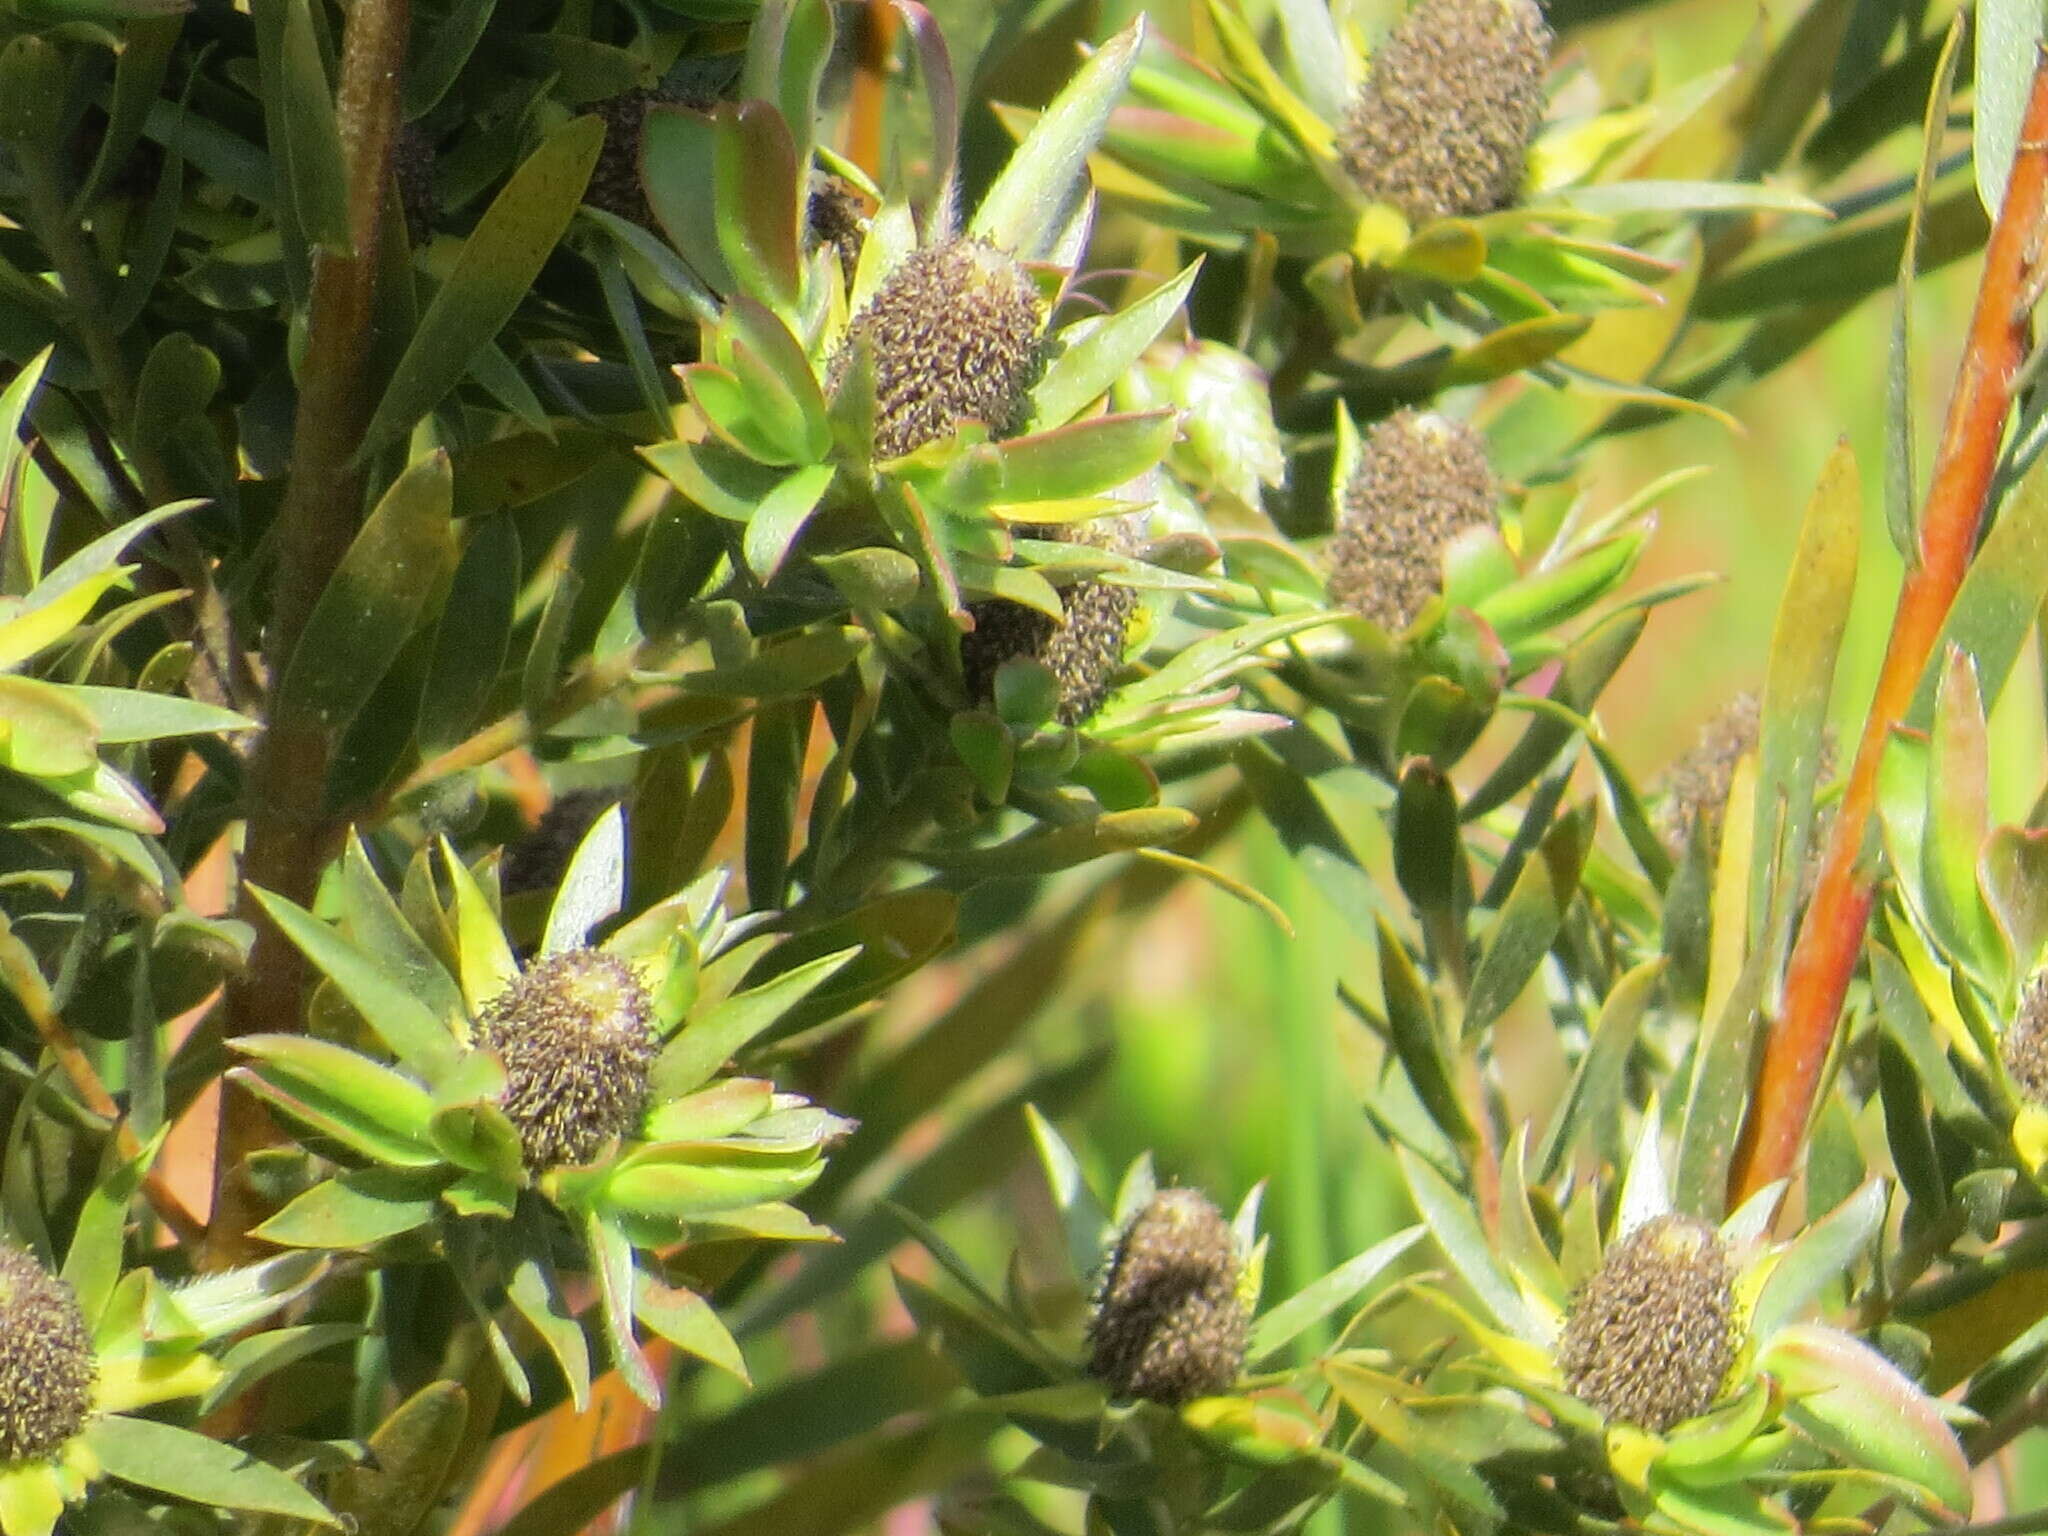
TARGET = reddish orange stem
x,y
1831,939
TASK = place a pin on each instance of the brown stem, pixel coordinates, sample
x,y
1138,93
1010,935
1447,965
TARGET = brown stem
x,y
290,831
1831,938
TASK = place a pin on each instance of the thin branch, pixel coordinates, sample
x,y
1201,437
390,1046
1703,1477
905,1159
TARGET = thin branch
x,y
1831,939
290,830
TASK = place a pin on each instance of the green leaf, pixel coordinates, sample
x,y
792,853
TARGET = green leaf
x,y
375,599
1417,1038
474,635
791,666
411,1462
44,733
1626,197
1320,1298
354,1210
611,1261
2002,591
773,529
677,152
315,172
1055,848
1823,1252
166,1459
1958,821
1087,365
494,272
754,186
690,1060
1081,459
1806,639
1455,1225
536,1294
687,1321
386,1003
375,1110
1529,920
1033,199
128,714
593,888
1861,1407
1593,1101
2009,33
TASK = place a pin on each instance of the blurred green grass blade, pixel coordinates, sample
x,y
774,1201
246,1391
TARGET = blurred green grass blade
x,y
492,275
845,1398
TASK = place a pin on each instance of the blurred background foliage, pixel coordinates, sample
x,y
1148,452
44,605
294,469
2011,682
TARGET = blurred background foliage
x,y
1146,1013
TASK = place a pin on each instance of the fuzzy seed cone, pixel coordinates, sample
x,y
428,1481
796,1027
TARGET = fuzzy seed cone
x,y
47,1369
1443,123
955,332
2025,1043
1696,787
537,861
615,182
1082,653
573,1033
1649,1338
1422,480
1168,1324
412,163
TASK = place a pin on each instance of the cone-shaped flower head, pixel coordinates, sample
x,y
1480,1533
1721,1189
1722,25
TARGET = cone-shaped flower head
x,y
955,332
1422,480
2025,1043
1696,788
47,1368
573,1033
1082,652
1169,1324
1443,122
1649,1338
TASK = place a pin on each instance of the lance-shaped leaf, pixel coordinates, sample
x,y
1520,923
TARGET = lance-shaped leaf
x,y
386,1003
1530,919
1545,599
720,1033
1094,355
1806,638
723,481
1033,199
1862,1408
1320,1298
355,1210
1081,459
375,599
369,1108
1822,1252
167,1459
1959,820
494,273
